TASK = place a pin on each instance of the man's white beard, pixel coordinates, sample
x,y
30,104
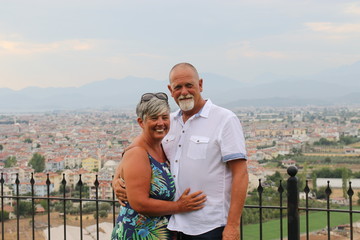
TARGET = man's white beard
x,y
186,105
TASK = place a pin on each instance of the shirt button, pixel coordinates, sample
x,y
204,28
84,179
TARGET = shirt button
x,y
179,145
174,176
176,160
183,131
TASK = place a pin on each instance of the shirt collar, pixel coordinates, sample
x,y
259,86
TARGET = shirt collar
x,y
204,111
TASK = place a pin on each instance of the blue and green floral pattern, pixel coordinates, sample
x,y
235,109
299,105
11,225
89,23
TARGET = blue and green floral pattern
x,y
131,225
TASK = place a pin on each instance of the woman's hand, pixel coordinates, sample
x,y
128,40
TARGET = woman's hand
x,y
120,191
191,202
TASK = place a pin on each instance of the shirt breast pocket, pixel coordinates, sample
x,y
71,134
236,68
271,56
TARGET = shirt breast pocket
x,y
198,147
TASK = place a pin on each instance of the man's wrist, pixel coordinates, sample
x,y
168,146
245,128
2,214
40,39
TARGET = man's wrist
x,y
233,223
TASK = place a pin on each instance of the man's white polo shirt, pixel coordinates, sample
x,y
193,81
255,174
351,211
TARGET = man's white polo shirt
x,y
198,151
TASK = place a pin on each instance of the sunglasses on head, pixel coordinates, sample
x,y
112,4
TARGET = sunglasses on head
x,y
148,96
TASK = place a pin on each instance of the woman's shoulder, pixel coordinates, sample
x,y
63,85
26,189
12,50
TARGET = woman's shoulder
x,y
135,157
136,150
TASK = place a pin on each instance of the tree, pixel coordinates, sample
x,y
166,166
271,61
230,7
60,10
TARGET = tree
x,y
59,206
345,179
356,175
324,142
37,162
1,147
74,210
327,160
302,177
6,215
89,207
44,204
85,191
24,208
332,173
321,194
67,189
102,214
28,140
313,178
105,207
349,139
296,151
10,161
276,177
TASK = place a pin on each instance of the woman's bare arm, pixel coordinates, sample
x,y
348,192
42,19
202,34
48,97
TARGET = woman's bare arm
x,y
137,175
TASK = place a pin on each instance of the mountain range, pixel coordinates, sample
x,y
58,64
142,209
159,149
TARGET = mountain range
x,y
340,86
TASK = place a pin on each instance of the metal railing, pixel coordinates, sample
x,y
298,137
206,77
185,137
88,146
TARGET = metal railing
x,y
292,208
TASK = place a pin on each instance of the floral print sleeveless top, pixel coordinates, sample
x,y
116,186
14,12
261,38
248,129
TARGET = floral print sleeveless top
x,y
133,225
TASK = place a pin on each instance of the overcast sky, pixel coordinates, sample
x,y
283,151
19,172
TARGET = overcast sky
x,y
73,42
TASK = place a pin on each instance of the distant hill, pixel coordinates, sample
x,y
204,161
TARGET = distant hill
x,y
112,93
335,86
344,75
277,102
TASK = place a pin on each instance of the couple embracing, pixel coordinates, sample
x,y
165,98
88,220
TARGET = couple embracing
x,y
198,150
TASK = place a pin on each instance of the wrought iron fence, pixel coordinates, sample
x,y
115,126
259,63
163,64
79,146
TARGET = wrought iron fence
x,y
292,209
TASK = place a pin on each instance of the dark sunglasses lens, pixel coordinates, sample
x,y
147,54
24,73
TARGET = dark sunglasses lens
x,y
146,97
161,96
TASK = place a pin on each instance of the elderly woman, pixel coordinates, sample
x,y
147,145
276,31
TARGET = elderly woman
x,y
150,188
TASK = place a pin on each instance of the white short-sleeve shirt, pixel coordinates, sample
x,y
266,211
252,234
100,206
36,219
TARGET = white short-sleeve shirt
x,y
198,151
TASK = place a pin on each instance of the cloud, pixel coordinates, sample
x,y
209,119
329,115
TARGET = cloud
x,y
246,50
27,48
147,55
353,8
333,28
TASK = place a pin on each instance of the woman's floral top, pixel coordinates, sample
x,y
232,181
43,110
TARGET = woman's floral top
x,y
133,225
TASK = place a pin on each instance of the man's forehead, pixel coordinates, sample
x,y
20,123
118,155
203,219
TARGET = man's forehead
x,y
183,68
184,80
184,77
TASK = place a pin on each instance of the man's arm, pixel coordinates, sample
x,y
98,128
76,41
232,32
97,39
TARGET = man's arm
x,y
240,180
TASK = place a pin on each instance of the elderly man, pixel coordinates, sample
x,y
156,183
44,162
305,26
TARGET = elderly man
x,y
206,150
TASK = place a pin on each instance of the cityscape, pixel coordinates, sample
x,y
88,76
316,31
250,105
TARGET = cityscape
x,y
90,144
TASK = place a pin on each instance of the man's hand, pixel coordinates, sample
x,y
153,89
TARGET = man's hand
x,y
120,191
231,232
191,202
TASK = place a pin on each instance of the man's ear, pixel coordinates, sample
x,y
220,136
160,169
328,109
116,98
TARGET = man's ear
x,y
170,89
201,84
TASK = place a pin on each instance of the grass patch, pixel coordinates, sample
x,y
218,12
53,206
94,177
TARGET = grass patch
x,y
317,221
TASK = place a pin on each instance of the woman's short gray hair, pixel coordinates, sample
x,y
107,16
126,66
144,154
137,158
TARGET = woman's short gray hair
x,y
153,107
